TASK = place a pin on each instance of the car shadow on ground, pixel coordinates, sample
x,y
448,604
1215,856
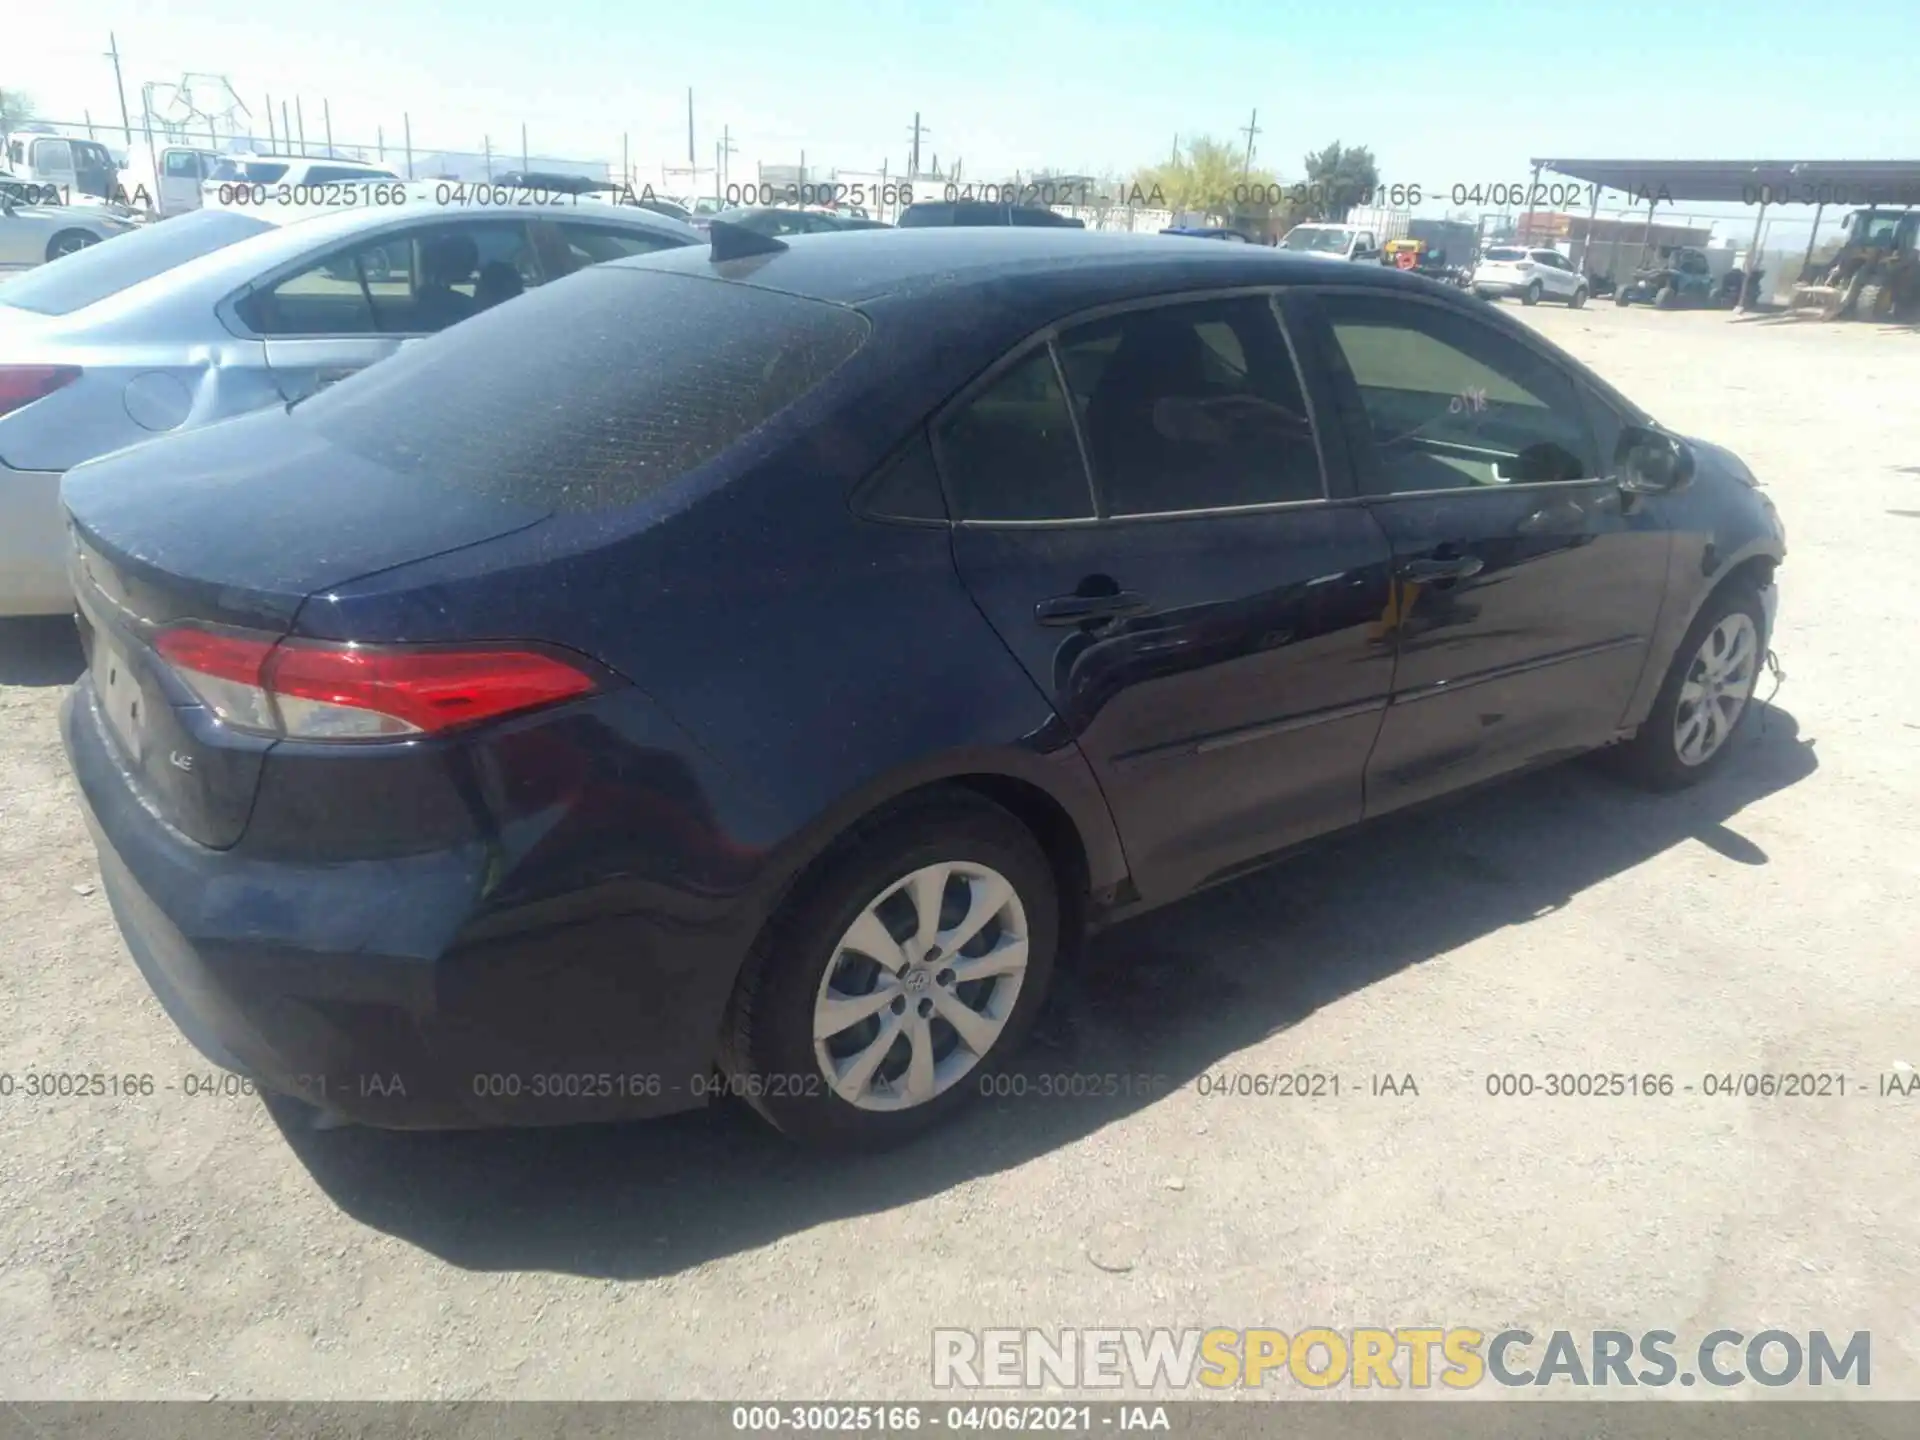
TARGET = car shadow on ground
x,y
1168,996
43,650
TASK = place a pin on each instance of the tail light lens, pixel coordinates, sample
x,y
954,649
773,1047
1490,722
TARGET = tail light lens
x,y
316,690
24,384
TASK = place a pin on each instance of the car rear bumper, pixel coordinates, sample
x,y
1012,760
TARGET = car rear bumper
x,y
361,988
33,544
1498,288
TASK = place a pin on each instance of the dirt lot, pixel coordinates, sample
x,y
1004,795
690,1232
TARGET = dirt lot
x,y
180,1247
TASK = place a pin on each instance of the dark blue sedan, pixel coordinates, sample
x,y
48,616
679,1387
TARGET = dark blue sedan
x,y
744,670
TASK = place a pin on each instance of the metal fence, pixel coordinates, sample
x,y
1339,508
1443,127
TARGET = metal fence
x,y
413,159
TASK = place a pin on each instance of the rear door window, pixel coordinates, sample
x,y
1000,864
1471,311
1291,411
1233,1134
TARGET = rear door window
x,y
414,282
591,394
1192,407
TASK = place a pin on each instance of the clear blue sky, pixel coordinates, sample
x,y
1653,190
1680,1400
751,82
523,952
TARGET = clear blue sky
x,y
1443,93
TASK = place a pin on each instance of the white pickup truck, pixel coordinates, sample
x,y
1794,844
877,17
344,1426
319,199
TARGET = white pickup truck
x,y
1327,241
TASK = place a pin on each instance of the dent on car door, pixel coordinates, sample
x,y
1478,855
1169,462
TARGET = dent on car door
x,y
1200,617
1527,584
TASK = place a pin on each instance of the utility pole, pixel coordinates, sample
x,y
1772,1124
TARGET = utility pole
x,y
1250,129
913,166
690,160
523,145
119,85
326,114
727,148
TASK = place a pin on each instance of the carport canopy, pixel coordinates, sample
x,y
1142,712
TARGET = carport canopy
x,y
1751,182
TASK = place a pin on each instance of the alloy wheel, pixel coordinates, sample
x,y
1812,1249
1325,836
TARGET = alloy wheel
x,y
921,985
1714,694
71,243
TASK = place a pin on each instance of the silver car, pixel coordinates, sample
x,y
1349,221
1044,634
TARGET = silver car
x,y
41,222
218,312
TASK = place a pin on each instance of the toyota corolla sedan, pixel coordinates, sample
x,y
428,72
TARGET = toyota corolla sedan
x,y
222,311
744,670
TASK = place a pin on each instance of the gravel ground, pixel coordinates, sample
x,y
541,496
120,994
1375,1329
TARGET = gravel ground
x,y
180,1247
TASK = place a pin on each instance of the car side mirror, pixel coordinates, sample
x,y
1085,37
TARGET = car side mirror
x,y
1652,462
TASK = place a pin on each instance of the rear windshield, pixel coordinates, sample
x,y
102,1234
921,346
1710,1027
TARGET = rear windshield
x,y
589,393
1506,254
88,276
253,172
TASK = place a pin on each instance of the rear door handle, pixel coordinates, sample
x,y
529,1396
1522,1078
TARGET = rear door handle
x,y
1065,610
1428,570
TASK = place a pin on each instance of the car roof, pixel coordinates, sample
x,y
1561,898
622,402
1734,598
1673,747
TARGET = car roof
x,y
852,266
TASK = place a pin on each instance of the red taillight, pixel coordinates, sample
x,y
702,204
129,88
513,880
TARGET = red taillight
x,y
314,690
24,384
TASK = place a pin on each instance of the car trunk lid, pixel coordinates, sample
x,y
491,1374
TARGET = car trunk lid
x,y
230,529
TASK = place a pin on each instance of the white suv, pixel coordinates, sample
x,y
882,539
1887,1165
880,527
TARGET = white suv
x,y
251,179
1533,275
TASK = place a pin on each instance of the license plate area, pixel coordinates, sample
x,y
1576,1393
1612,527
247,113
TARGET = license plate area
x,y
121,697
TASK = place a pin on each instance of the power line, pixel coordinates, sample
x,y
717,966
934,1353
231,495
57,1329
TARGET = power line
x,y
913,167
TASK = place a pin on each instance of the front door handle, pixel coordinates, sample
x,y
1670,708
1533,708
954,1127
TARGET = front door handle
x,y
1428,570
1064,610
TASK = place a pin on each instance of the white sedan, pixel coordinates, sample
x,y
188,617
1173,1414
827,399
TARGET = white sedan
x,y
35,227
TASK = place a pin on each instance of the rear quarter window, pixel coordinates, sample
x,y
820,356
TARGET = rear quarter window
x,y
592,393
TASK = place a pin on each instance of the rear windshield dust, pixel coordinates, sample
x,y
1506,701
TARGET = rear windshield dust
x,y
591,392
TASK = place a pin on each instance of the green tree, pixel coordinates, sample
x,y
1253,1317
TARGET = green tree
x,y
15,106
1339,178
1208,177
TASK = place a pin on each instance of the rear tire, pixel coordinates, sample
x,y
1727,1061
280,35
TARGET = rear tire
x,y
1579,298
921,870
1622,299
1531,295
1667,298
69,241
1707,692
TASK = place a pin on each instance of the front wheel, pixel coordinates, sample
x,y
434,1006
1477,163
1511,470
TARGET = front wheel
x,y
1622,299
1531,296
1579,298
67,242
1667,298
899,979
1708,688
